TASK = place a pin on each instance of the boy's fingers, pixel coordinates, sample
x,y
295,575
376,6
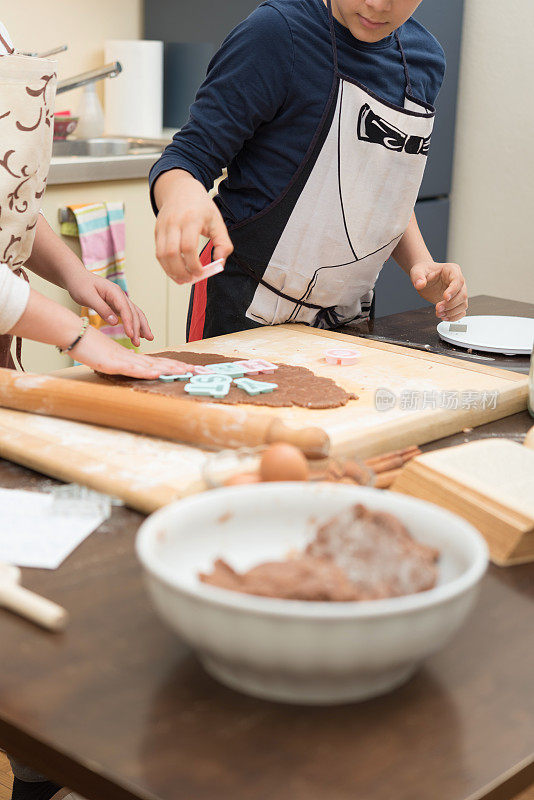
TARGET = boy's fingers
x,y
459,297
452,289
168,253
222,244
456,309
456,316
418,276
189,248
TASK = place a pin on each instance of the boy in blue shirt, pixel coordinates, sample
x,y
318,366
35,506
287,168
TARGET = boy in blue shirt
x,y
322,111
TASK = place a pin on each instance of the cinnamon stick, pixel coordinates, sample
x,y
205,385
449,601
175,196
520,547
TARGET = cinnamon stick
x,y
393,460
385,479
406,451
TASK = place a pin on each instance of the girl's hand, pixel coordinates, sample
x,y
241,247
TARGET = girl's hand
x,y
105,355
108,300
441,284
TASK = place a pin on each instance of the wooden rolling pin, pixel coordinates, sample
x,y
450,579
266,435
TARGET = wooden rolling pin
x,y
177,419
28,604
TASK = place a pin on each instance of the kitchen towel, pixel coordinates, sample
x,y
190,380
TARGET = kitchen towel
x,y
134,99
100,229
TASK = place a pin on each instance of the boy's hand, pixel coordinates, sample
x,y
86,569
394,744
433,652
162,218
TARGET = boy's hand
x,y
441,284
186,212
108,300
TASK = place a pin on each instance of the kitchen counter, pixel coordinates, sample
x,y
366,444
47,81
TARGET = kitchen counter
x,y
89,168
80,169
419,328
118,708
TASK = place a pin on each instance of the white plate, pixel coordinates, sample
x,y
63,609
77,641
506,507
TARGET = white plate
x,y
508,335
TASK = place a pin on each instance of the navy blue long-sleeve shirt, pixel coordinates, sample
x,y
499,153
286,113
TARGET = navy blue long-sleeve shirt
x,y
266,90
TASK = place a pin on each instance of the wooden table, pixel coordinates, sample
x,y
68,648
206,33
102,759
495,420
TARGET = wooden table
x,y
116,707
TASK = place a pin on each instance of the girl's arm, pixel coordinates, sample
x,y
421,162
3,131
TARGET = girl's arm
x,y
45,321
54,261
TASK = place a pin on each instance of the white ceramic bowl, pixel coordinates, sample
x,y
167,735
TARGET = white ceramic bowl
x,y
296,651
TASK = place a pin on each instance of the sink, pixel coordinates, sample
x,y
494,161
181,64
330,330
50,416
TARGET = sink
x,y
108,146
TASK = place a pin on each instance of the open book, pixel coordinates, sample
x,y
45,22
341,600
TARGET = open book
x,y
489,483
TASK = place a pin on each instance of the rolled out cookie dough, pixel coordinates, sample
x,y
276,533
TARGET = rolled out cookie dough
x,y
297,386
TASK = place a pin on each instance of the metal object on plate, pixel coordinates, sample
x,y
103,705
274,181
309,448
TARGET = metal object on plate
x,y
428,348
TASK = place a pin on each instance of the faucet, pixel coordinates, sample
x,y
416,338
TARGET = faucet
x,y
108,71
47,53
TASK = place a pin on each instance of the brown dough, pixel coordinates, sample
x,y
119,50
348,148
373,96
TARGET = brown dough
x,y
297,386
301,578
357,555
376,552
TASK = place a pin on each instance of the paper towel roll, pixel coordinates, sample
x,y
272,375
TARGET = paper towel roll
x,y
134,99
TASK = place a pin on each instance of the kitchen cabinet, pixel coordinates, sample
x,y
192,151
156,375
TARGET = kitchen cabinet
x,y
148,285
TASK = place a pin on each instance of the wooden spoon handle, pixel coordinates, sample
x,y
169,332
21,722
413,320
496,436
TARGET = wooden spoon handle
x,y
32,606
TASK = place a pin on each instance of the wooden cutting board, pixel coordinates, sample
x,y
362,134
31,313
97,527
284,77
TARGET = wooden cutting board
x,y
358,428
145,472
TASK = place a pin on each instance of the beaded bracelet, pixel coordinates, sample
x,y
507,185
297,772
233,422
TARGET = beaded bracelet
x,y
85,325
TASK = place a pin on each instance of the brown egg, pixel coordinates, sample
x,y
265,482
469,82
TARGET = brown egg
x,y
242,478
283,462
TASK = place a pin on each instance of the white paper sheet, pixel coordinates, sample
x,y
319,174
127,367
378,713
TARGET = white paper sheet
x,y
36,532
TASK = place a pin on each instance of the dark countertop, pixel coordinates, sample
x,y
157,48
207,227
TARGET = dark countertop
x,y
419,327
117,707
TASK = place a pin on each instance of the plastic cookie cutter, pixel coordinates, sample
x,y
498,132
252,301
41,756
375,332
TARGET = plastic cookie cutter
x,y
210,270
229,368
170,378
256,366
209,385
200,370
255,387
342,356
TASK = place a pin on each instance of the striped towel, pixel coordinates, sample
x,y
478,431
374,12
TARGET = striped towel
x,y
100,229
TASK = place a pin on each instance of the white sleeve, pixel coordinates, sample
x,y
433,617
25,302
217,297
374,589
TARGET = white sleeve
x,y
14,294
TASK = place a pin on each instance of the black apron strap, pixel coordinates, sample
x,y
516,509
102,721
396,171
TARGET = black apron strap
x,y
409,89
249,271
332,33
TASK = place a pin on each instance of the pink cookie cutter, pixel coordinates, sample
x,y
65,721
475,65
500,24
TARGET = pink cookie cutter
x,y
210,270
198,369
256,366
342,356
